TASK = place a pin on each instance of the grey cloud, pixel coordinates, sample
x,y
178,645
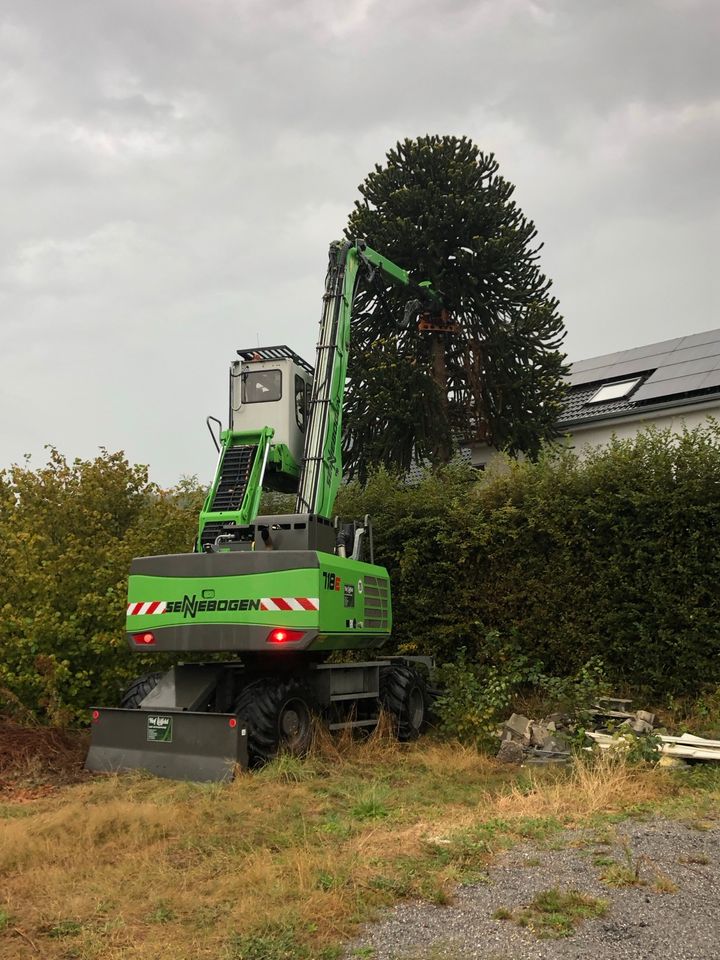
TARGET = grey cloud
x,y
171,174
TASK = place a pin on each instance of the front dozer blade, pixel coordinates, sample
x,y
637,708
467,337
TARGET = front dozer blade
x,y
177,744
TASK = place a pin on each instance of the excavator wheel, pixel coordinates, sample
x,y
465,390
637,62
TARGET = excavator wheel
x,y
403,693
138,690
279,716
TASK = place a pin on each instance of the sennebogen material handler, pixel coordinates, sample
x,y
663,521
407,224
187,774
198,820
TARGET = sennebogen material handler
x,y
277,594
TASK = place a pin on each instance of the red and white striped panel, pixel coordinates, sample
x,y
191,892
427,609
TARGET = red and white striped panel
x,y
289,603
151,606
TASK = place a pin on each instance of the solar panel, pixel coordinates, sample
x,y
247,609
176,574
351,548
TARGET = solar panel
x,y
675,366
654,389
673,371
615,372
712,379
608,361
709,336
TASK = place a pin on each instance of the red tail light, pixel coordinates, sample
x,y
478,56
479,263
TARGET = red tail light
x,y
144,639
281,635
232,723
95,716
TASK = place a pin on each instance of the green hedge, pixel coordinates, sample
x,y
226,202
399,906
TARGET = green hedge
x,y
615,556
67,535
560,561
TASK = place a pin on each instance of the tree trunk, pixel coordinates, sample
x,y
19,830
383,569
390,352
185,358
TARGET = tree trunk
x,y
443,450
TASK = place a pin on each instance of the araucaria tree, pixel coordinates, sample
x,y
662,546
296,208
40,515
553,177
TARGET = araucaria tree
x,y
441,210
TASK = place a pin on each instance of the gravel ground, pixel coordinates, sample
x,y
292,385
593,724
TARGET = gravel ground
x,y
641,921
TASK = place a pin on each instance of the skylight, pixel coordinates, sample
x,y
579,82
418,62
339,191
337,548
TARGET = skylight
x,y
614,391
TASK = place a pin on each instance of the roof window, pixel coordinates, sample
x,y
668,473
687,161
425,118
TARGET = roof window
x,y
614,391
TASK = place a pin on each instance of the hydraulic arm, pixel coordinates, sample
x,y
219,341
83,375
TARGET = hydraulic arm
x,y
321,472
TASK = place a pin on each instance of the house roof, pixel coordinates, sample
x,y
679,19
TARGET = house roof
x,y
681,370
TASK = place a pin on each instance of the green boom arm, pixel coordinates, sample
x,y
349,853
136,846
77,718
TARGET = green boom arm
x,y
321,472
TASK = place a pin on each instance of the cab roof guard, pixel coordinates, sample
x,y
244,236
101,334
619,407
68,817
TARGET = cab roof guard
x,y
258,354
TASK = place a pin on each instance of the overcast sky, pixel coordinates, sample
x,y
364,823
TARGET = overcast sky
x,y
172,171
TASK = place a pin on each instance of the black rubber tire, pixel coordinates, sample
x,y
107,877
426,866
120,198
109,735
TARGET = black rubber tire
x,y
279,717
403,693
138,690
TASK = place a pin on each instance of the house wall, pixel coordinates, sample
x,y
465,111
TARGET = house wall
x,y
595,434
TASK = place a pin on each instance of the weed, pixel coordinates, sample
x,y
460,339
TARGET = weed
x,y
536,828
702,825
573,694
700,858
329,881
275,943
627,873
371,803
502,913
620,875
397,886
704,776
65,928
603,862
555,913
663,883
475,696
5,919
603,838
555,844
286,768
635,749
533,862
14,811
700,715
162,913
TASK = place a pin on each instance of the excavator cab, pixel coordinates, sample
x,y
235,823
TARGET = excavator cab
x,y
268,385
271,385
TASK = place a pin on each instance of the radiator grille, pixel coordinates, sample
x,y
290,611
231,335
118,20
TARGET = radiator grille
x,y
377,603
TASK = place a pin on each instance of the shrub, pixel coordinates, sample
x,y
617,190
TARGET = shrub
x,y
67,535
475,697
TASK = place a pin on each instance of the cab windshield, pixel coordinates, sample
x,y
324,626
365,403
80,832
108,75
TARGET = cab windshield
x,y
261,386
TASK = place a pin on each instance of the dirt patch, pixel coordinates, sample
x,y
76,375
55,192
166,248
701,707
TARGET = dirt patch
x,y
36,760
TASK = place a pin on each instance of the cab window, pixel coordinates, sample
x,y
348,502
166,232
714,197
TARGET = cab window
x,y
261,386
300,405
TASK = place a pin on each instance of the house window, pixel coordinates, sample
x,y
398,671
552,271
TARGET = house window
x,y
614,391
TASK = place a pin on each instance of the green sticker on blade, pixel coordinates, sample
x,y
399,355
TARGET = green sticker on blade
x,y
159,729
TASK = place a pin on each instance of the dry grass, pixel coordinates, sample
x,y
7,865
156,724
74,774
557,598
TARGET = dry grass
x,y
280,864
604,784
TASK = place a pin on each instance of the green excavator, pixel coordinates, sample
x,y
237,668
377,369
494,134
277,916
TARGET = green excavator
x,y
276,594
